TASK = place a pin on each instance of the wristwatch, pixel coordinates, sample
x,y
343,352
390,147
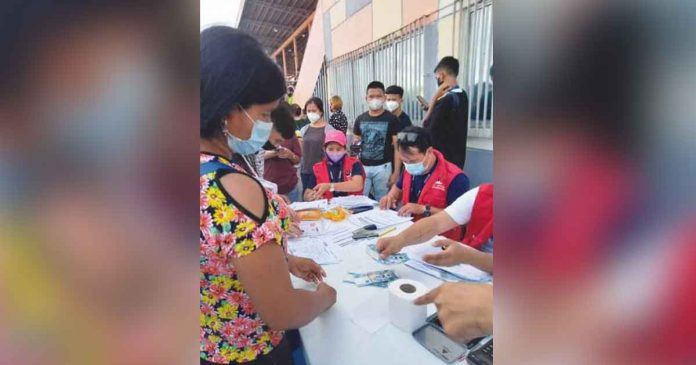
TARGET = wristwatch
x,y
332,187
427,212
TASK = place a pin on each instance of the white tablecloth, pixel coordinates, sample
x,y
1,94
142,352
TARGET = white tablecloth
x,y
333,338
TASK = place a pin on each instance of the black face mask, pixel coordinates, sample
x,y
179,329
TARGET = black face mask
x,y
439,82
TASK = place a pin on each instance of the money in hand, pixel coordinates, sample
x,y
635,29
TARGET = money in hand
x,y
397,258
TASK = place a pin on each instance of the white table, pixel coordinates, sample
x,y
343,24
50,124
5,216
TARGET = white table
x,y
333,338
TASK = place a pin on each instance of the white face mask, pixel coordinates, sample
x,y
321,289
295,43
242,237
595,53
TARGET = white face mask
x,y
313,117
391,105
375,104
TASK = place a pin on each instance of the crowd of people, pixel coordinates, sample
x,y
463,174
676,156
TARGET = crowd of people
x,y
258,153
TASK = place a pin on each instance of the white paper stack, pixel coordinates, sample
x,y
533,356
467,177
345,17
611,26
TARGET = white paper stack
x,y
352,201
312,248
446,273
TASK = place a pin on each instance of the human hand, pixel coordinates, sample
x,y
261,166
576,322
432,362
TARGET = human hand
x,y
306,269
442,90
327,293
454,253
294,230
389,245
285,153
387,202
321,189
464,309
411,209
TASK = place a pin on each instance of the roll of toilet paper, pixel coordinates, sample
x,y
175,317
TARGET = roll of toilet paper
x,y
402,312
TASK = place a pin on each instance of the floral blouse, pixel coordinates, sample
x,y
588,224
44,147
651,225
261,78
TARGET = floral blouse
x,y
231,330
339,121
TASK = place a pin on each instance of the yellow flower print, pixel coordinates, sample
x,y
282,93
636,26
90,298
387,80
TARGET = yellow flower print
x,y
214,339
227,311
215,197
215,323
223,281
203,319
265,337
229,354
247,355
208,298
236,285
244,229
245,247
223,215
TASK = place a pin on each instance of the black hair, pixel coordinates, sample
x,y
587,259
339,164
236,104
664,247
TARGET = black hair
x,y
395,90
422,140
316,101
375,85
448,64
296,110
235,71
283,121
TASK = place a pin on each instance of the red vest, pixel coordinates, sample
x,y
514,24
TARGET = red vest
x,y
480,227
435,190
321,172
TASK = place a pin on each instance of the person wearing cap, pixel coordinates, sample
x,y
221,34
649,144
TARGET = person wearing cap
x,y
247,300
337,174
429,182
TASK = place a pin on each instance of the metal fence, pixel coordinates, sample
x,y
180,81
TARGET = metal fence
x,y
395,59
398,58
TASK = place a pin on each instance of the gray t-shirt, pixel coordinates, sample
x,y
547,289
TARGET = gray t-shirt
x,y
312,146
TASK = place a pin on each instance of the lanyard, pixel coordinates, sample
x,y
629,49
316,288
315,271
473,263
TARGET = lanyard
x,y
340,174
424,182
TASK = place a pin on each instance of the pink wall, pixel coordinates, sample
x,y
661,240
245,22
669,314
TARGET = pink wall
x,y
353,33
414,9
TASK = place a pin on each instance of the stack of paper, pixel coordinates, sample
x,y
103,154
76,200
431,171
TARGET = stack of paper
x,y
352,201
447,273
312,248
380,218
322,204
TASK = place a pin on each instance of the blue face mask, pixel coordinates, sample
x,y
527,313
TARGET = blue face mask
x,y
259,136
415,168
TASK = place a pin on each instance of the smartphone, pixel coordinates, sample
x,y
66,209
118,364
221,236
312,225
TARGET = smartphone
x,y
422,102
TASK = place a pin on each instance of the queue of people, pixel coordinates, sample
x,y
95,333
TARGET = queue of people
x,y
249,154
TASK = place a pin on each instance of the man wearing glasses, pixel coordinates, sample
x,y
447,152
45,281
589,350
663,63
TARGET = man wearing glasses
x,y
429,182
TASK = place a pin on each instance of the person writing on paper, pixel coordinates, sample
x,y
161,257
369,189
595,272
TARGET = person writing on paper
x,y
475,209
246,297
429,183
337,174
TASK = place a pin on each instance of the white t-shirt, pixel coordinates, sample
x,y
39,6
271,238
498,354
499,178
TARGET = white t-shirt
x,y
460,209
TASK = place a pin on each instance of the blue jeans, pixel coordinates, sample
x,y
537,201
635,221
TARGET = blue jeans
x,y
307,180
294,194
376,180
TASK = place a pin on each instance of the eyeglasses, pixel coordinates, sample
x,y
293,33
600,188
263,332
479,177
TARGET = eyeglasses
x,y
407,136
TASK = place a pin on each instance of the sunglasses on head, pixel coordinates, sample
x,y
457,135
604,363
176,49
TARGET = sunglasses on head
x,y
407,136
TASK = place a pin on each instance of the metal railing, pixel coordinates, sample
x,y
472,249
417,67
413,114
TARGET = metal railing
x,y
399,57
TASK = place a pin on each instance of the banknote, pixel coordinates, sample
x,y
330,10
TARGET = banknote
x,y
397,258
380,278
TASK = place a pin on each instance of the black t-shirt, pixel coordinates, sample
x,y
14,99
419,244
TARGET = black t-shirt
x,y
376,135
404,121
448,125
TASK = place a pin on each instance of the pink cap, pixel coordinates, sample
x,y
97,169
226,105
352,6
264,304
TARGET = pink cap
x,y
335,136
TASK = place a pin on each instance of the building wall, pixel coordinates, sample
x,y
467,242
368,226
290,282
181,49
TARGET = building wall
x,y
351,24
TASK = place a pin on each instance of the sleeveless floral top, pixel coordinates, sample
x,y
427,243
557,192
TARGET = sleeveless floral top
x,y
231,330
